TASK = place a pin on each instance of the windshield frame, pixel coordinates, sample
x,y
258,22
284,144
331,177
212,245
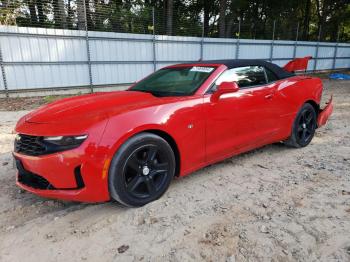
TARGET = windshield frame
x,y
200,90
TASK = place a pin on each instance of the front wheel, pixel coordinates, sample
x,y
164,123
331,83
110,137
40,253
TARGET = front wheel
x,y
304,127
141,170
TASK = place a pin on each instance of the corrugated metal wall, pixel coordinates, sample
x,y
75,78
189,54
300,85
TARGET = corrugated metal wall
x,y
53,58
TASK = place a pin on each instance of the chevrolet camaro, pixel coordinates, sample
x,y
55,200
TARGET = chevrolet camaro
x,y
129,145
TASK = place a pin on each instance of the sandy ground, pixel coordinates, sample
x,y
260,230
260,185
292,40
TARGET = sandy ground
x,y
271,204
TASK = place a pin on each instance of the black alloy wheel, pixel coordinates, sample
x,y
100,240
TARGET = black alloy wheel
x,y
142,170
145,171
304,127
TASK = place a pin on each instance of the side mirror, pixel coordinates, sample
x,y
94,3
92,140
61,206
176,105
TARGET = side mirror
x,y
225,88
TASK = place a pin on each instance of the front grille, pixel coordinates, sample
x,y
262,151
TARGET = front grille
x,y
29,145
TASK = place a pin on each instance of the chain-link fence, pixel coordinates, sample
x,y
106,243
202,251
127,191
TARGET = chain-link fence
x,y
128,17
53,44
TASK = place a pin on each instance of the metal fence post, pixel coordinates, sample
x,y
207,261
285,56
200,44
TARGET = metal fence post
x,y
273,40
3,73
202,44
238,38
317,46
88,48
296,43
154,41
336,51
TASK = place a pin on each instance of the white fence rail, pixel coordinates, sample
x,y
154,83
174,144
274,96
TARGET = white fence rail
x,y
37,58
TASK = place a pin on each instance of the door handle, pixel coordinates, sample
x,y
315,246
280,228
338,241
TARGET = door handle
x,y
269,96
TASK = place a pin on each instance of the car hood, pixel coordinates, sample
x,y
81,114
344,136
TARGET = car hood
x,y
92,107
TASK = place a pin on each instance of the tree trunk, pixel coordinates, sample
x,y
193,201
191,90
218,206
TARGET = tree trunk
x,y
229,28
90,23
117,24
206,18
32,12
41,15
306,23
169,14
222,16
69,15
334,32
321,15
60,14
81,14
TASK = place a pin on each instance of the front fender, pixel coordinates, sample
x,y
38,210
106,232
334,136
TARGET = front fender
x,y
181,120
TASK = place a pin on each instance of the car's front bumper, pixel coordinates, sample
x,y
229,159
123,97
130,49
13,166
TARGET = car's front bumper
x,y
68,175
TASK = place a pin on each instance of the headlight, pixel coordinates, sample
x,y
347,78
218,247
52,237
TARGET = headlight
x,y
60,143
65,140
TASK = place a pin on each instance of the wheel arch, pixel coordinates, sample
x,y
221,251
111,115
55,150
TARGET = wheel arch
x,y
293,140
119,194
171,141
156,131
315,105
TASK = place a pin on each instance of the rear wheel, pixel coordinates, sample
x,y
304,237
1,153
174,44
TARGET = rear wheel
x,y
141,170
304,127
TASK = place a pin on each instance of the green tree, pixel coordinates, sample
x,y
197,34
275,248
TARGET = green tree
x,y
217,18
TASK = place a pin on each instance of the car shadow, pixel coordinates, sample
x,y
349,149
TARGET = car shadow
x,y
18,197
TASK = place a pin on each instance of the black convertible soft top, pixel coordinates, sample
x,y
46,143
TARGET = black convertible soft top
x,y
280,72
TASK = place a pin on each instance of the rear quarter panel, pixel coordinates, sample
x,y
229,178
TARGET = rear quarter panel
x,y
300,89
291,94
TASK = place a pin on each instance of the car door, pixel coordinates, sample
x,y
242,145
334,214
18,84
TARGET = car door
x,y
242,120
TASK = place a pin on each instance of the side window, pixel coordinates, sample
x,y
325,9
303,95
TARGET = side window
x,y
271,76
244,76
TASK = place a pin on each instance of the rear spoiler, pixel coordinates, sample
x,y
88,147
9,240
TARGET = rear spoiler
x,y
297,64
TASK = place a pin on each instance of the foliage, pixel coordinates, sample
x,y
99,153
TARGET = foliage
x,y
313,19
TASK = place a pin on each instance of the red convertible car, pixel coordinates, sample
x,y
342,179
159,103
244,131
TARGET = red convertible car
x,y
128,145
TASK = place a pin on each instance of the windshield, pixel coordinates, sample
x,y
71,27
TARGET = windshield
x,y
176,81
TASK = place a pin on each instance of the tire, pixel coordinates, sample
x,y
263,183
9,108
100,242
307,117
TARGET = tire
x,y
304,127
141,170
